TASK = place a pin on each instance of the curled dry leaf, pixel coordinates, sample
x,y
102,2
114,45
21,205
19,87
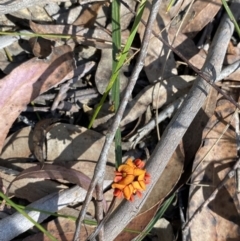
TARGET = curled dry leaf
x,y
38,137
55,172
41,47
28,81
219,220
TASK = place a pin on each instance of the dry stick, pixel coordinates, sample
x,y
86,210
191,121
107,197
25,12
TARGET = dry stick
x,y
16,224
174,132
100,167
100,225
99,209
229,175
238,148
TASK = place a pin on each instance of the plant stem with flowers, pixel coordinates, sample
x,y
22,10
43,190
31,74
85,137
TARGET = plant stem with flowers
x,y
130,179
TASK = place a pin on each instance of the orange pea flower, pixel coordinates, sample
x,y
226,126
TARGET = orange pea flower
x,y
130,179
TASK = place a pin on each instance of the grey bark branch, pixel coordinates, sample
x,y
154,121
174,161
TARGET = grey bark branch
x,y
173,134
16,224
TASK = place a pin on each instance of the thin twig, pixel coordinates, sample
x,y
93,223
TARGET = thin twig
x,y
100,225
238,148
99,209
165,113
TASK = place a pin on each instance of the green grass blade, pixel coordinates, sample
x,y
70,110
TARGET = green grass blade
x,y
159,214
122,59
39,226
116,48
170,4
230,15
65,36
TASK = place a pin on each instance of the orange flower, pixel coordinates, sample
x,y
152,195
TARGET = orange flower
x,y
130,179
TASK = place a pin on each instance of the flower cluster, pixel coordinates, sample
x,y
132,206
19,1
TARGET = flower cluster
x,y
130,179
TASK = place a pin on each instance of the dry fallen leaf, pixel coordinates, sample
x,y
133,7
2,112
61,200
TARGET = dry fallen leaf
x,y
163,231
32,13
220,219
55,172
187,48
29,80
18,145
38,138
201,13
88,15
67,143
126,14
41,47
31,189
